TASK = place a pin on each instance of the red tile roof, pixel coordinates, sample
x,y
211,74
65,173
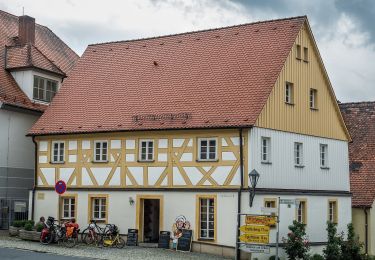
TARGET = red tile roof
x,y
360,120
214,78
48,53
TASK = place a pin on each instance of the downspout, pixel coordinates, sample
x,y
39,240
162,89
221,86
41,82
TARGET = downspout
x,y
35,177
239,196
366,231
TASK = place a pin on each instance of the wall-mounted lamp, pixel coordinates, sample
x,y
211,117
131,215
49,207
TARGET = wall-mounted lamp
x,y
253,177
131,201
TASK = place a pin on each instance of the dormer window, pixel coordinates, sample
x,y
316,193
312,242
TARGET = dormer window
x,y
44,89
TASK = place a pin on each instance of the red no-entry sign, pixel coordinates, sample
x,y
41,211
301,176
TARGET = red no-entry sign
x,y
60,187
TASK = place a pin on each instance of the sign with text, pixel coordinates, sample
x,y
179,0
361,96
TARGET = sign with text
x,y
289,201
132,237
250,248
255,229
184,242
255,238
260,220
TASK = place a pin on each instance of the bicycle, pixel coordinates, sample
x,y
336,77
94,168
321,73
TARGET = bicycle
x,y
94,233
113,238
58,234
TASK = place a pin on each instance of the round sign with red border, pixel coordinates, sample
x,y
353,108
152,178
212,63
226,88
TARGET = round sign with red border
x,y
60,187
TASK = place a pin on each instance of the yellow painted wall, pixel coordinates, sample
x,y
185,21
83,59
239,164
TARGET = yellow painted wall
x,y
180,144
326,121
358,218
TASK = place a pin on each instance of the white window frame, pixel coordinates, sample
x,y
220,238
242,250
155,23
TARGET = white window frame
x,y
70,204
289,93
323,149
332,211
313,98
298,154
301,212
265,155
58,152
207,220
44,88
149,156
207,139
101,151
100,211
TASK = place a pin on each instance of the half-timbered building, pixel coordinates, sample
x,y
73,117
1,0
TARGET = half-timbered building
x,y
147,130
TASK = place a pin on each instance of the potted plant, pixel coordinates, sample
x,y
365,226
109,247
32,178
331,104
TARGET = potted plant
x,y
28,233
15,228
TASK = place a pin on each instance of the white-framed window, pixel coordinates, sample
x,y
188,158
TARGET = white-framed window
x,y
313,98
298,51
101,151
266,149
207,218
44,89
68,207
99,208
58,151
323,155
298,154
289,89
207,149
146,150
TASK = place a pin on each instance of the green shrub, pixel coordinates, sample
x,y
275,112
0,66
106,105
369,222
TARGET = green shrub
x,y
316,257
17,223
272,257
39,227
296,244
28,226
23,222
351,247
333,249
32,222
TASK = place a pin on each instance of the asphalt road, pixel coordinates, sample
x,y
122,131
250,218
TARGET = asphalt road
x,y
15,254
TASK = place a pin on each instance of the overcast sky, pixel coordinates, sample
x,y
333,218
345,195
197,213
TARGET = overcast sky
x,y
344,29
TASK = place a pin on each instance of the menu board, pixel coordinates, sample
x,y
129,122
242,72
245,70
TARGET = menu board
x,y
164,238
132,237
184,242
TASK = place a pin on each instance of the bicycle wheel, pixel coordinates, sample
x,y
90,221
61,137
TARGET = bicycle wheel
x,y
90,238
46,239
106,241
120,243
70,242
84,234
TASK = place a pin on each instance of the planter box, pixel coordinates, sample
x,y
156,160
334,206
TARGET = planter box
x,y
29,235
14,231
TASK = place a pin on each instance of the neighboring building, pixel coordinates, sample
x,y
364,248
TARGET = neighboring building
x,y
34,62
360,120
147,130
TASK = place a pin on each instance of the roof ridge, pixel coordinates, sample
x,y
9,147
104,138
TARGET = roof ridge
x,y
199,31
357,103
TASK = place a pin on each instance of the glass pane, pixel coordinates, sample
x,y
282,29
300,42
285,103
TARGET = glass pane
x,y
211,234
203,225
211,225
212,143
212,156
203,233
105,145
203,143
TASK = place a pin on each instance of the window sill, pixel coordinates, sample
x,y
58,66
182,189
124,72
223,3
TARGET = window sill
x,y
99,220
299,166
313,109
324,168
266,163
145,161
57,162
200,160
209,240
297,58
290,104
306,61
100,161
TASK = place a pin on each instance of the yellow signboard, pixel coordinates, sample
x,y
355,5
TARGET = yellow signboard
x,y
255,229
261,220
255,238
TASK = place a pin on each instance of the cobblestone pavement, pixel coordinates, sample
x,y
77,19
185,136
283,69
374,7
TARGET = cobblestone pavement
x,y
103,253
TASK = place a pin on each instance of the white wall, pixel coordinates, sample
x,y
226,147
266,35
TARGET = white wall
x,y
123,214
13,129
283,174
25,79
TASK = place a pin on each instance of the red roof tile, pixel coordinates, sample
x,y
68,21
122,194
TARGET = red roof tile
x,y
360,120
48,53
220,78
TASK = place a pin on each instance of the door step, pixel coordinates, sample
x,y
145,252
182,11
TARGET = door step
x,y
149,245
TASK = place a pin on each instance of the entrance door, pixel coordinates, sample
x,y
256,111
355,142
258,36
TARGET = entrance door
x,y
151,220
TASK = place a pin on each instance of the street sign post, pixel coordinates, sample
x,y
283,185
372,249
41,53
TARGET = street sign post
x,y
255,238
252,248
260,220
255,229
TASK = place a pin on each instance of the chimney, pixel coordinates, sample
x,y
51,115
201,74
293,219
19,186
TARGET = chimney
x,y
26,29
